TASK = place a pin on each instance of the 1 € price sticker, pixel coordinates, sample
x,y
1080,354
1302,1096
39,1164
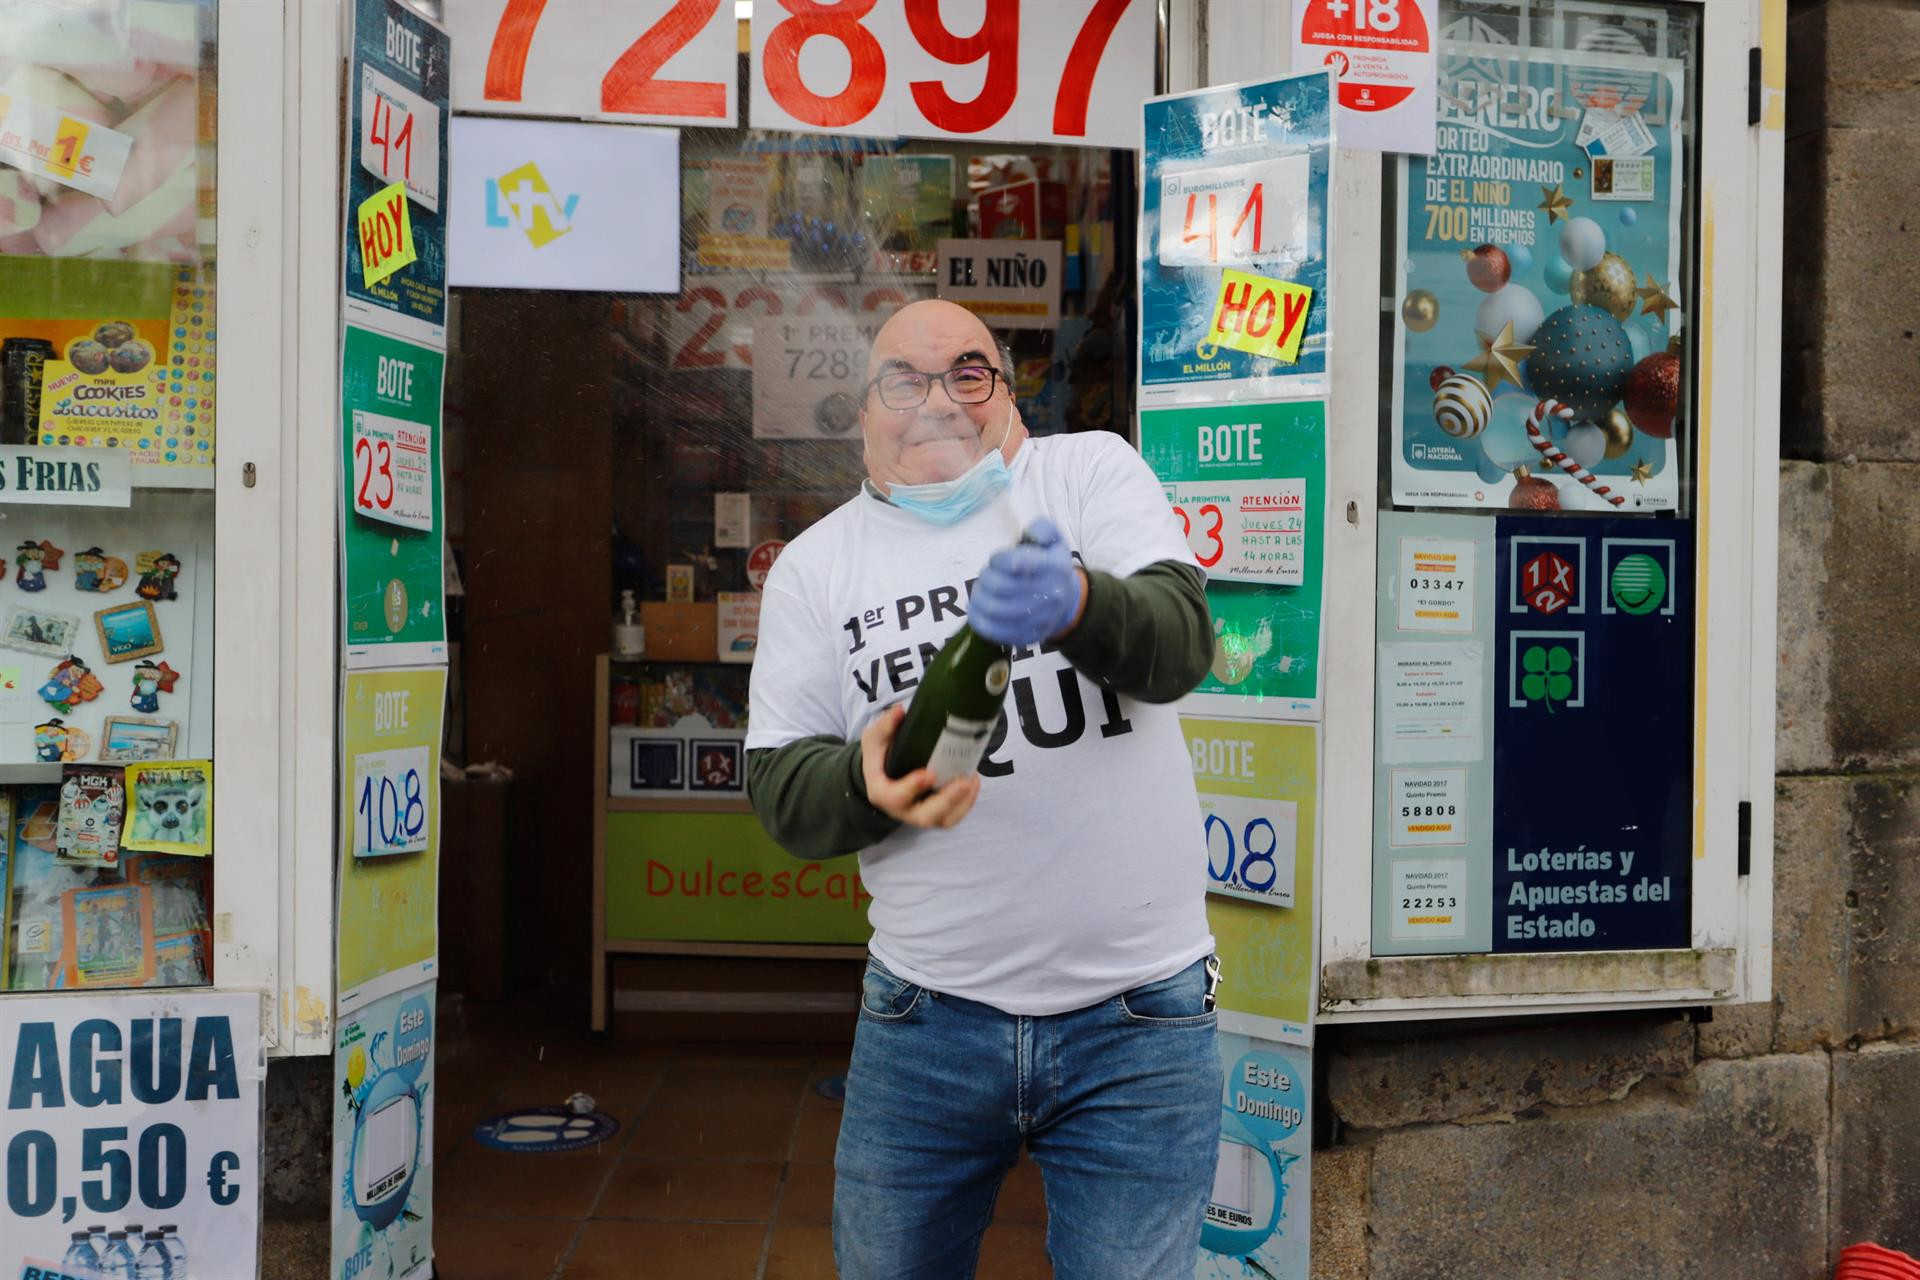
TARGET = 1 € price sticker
x,y
1260,316
390,802
1250,847
392,470
386,234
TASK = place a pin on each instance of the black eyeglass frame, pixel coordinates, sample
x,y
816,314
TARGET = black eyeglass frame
x,y
994,379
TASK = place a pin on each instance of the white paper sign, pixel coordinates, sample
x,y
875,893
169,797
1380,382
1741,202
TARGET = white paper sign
x,y
1381,54
807,377
1250,847
143,1107
732,519
390,799
1625,178
392,470
659,61
1009,284
1051,71
542,205
48,143
738,625
400,141
1430,702
1245,530
1426,806
54,477
1430,899
1235,215
1435,590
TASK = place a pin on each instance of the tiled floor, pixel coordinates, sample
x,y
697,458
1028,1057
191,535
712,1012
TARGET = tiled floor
x,y
722,1169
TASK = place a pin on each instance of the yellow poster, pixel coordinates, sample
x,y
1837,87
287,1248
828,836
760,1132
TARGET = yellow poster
x,y
390,731
1258,784
1259,316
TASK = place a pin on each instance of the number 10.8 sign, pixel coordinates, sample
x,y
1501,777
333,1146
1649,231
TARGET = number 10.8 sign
x,y
390,801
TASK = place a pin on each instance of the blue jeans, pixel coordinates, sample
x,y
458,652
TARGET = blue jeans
x,y
1119,1103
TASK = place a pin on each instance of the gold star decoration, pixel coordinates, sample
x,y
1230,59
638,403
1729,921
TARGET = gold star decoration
x,y
1499,358
1642,472
1654,300
1555,203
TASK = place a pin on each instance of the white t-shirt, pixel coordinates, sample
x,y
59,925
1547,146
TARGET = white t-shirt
x,y
1081,871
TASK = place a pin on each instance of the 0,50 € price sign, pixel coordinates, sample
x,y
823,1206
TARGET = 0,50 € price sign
x,y
1250,847
390,802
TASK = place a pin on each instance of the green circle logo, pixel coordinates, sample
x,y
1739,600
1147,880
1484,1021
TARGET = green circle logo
x,y
1638,584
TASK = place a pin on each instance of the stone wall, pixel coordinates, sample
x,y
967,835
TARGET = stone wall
x,y
1763,1141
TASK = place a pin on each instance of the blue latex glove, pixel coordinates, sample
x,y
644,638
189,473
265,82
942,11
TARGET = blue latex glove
x,y
1029,593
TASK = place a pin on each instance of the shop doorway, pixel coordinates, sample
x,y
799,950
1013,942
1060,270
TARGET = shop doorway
x,y
597,935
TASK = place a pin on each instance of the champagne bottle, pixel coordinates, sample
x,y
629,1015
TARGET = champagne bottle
x,y
953,713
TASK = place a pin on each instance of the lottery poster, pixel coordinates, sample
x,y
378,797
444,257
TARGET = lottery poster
x,y
1235,205
383,1099
1259,1212
392,577
1533,781
390,732
1259,789
396,179
1538,256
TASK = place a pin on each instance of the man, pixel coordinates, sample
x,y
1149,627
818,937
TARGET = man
x,y
1041,964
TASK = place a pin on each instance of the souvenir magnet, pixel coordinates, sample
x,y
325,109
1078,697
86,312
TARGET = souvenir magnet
x,y
50,741
34,560
150,680
35,630
70,684
680,583
95,570
128,631
129,738
157,570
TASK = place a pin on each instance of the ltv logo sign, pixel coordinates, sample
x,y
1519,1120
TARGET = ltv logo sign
x,y
522,199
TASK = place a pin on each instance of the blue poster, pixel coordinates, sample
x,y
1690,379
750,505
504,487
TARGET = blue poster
x,y
1538,256
1234,179
396,179
383,1139
1259,1213
1592,694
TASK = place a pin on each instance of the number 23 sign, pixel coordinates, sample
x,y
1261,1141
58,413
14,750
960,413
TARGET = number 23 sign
x,y
1005,70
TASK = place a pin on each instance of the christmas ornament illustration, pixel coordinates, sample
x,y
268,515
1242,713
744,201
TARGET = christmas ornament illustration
x,y
1558,456
1653,394
1488,267
1420,311
1462,406
1580,358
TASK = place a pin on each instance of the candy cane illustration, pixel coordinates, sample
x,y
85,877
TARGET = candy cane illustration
x,y
1552,452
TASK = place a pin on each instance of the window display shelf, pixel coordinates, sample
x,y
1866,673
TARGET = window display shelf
x,y
29,774
653,804
173,477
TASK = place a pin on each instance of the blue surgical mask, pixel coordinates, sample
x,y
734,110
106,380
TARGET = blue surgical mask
x,y
948,502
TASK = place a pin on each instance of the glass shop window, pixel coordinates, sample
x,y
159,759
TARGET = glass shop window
x,y
107,206
1534,770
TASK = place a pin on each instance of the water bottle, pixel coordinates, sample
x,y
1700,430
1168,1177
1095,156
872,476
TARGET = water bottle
x,y
81,1254
176,1250
155,1263
119,1262
98,1235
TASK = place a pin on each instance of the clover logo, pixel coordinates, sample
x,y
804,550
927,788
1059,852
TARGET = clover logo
x,y
1547,676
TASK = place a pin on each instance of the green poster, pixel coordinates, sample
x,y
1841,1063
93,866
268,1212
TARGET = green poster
x,y
1249,483
391,569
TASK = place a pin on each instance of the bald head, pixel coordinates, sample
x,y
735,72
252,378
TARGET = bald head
x,y
940,438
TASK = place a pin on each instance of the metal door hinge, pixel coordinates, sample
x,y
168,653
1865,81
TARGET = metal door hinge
x,y
1753,86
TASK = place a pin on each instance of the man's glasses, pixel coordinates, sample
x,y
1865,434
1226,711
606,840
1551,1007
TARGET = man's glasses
x,y
909,388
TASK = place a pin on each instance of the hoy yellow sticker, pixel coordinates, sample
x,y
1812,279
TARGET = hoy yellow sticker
x,y
386,233
1259,316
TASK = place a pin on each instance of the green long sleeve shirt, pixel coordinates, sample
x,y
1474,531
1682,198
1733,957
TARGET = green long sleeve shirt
x,y
1148,636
